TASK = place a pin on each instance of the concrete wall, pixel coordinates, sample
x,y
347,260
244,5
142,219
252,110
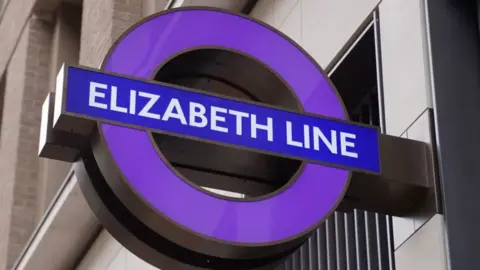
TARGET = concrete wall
x,y
28,48
65,49
107,254
26,87
323,28
419,238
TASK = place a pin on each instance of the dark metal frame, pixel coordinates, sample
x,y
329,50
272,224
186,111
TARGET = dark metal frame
x,y
454,44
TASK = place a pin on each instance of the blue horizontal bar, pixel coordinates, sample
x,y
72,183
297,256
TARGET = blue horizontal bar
x,y
194,114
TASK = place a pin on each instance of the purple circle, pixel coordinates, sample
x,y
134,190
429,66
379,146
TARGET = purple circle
x,y
312,197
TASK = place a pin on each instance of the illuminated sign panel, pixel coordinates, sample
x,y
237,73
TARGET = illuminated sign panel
x,y
175,110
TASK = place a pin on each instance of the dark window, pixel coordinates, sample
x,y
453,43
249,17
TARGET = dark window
x,y
356,80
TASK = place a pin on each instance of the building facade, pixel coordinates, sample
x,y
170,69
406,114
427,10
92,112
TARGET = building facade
x,y
407,66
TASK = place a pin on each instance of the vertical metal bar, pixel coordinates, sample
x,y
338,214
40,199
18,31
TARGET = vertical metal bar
x,y
371,240
304,257
375,108
360,240
382,242
378,64
350,241
340,239
289,264
322,247
331,244
313,252
296,263
371,111
391,244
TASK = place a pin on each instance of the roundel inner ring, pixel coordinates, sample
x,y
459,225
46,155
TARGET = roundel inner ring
x,y
255,175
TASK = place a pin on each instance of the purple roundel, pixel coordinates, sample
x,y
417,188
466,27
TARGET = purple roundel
x,y
297,209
